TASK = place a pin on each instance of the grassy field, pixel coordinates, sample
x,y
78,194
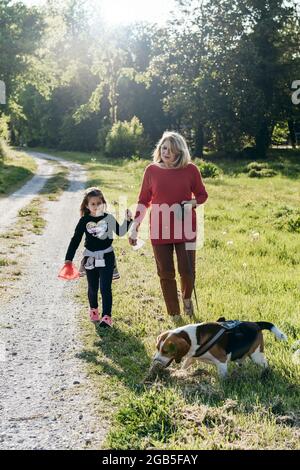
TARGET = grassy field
x,y
249,269
15,170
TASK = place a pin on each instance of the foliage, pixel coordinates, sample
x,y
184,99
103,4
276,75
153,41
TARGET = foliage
x,y
125,139
208,169
288,218
219,72
259,170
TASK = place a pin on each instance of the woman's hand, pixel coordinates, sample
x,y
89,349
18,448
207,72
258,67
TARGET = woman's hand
x,y
133,234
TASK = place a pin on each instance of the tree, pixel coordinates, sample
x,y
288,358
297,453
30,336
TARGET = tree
x,y
257,41
21,30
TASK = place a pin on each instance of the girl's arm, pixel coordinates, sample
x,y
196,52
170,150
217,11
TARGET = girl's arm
x,y
75,240
120,230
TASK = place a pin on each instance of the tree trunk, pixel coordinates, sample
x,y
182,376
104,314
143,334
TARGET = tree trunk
x,y
199,141
292,133
263,140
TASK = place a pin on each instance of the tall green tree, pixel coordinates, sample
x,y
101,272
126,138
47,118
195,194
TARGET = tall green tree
x,y
21,29
254,44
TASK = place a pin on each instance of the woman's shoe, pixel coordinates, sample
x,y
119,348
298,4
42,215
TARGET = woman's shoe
x,y
94,315
188,307
106,322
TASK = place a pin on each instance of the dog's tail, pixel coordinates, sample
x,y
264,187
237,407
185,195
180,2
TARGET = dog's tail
x,y
264,325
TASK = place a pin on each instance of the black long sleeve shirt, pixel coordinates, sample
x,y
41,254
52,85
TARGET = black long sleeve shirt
x,y
98,233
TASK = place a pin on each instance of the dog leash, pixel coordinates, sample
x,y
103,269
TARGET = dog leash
x,y
192,275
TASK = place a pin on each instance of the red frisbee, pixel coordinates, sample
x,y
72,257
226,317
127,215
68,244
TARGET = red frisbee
x,y
68,271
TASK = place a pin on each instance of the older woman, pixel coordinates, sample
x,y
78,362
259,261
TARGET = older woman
x,y
172,185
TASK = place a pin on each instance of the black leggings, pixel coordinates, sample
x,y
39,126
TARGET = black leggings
x,y
102,277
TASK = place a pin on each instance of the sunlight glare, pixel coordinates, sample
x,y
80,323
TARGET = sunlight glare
x,y
128,11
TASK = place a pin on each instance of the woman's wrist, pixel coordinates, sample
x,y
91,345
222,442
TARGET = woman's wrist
x,y
134,229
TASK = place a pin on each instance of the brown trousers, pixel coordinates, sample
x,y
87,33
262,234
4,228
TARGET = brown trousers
x,y
166,271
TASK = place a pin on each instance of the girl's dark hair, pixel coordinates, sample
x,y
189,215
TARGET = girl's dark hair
x,y
91,192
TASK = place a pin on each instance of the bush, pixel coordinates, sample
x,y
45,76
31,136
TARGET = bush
x,y
4,131
4,134
288,218
4,150
207,169
280,134
264,173
125,139
256,166
259,170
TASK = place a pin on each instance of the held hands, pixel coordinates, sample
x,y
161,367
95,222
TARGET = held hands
x,y
132,241
128,215
133,234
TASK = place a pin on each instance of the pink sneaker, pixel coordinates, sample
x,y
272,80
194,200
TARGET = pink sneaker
x,y
94,315
106,321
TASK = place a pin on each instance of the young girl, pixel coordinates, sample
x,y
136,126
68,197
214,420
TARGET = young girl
x,y
99,258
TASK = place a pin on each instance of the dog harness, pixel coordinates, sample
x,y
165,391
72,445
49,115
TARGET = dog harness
x,y
227,327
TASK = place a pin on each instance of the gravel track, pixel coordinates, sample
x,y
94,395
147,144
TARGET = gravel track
x,y
46,398
10,206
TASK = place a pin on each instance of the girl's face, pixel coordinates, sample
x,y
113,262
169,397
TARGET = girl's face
x,y
167,156
95,206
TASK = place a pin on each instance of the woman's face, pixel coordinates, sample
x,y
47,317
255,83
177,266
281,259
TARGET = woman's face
x,y
166,154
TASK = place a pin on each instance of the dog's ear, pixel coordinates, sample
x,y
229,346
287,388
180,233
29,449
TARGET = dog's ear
x,y
221,319
177,346
161,338
182,349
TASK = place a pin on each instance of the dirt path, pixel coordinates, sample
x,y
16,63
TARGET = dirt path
x,y
46,400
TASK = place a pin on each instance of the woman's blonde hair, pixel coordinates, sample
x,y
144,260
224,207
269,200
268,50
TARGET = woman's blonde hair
x,y
91,192
178,146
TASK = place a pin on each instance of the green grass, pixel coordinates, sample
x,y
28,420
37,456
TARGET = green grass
x,y
15,170
55,186
31,216
249,269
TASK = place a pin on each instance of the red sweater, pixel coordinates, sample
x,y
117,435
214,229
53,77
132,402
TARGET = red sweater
x,y
164,189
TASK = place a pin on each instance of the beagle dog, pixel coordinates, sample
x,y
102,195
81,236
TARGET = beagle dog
x,y
215,343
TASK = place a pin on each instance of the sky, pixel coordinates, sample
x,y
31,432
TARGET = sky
x,y
127,11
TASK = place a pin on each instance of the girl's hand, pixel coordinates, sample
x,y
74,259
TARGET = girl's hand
x,y
128,214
